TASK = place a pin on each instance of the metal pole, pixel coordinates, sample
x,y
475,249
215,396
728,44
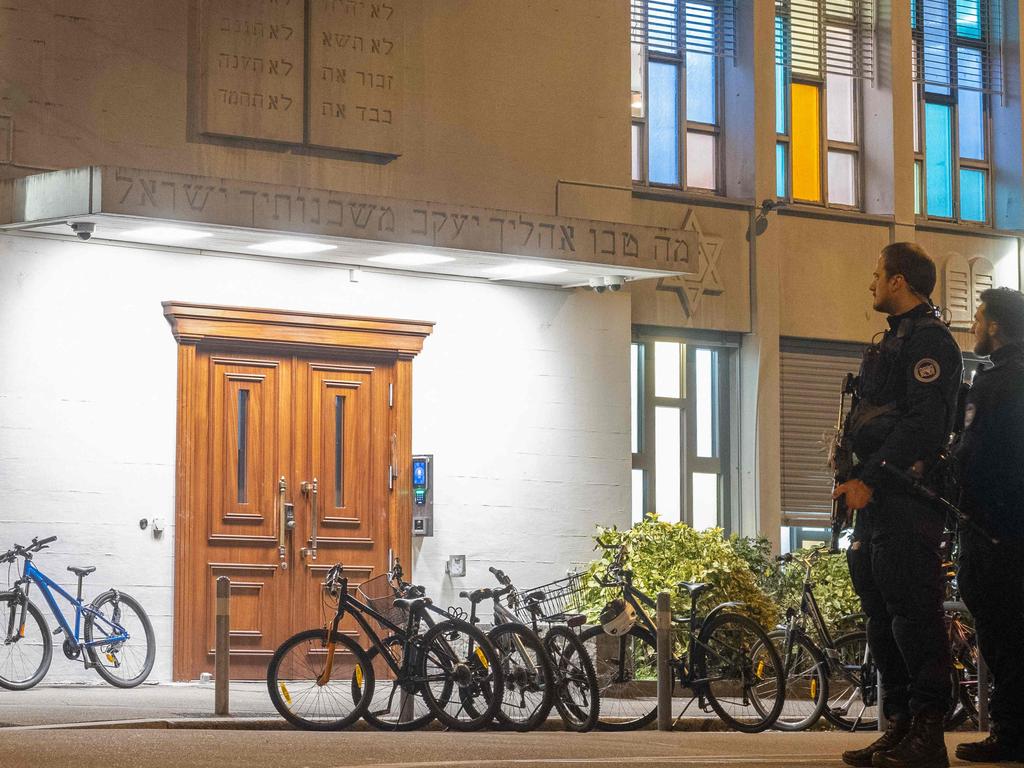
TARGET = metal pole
x,y
222,672
664,619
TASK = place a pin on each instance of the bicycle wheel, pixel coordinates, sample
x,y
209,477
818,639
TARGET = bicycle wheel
x,y
806,677
24,658
119,639
576,692
733,678
852,685
461,675
393,708
293,681
627,673
529,689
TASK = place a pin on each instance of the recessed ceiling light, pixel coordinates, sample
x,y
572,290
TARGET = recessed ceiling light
x,y
287,246
410,259
524,269
165,234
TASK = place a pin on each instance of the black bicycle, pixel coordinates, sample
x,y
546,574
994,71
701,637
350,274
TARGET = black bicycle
x,y
724,658
449,670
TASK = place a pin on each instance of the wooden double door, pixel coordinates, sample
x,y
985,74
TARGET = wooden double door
x,y
293,462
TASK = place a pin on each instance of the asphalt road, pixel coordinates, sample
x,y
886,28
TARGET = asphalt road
x,y
61,748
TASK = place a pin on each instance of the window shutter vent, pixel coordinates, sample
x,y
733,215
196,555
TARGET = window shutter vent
x,y
972,28
846,27
957,294
677,26
983,277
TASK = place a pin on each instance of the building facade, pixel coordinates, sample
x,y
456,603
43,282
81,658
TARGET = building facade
x,y
597,258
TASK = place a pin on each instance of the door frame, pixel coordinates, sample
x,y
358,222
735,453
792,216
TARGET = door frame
x,y
382,339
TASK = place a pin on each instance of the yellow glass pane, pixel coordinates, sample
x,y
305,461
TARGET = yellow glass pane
x,y
806,142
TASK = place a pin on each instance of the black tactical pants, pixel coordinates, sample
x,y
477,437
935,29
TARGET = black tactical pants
x,y
991,579
896,568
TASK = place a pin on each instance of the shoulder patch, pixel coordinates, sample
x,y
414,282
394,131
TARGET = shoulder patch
x,y
927,370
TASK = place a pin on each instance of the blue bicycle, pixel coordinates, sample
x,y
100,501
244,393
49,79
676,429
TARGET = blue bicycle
x,y
116,635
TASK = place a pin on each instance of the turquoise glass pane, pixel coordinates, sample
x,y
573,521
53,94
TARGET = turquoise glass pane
x,y
971,102
780,99
700,87
780,170
968,18
663,124
913,14
938,155
781,54
663,25
936,48
972,195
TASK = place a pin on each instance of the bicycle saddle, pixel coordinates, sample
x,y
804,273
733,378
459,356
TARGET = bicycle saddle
x,y
477,595
81,571
412,605
693,587
536,597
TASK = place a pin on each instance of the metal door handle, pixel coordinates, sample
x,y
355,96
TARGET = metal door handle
x,y
311,488
282,531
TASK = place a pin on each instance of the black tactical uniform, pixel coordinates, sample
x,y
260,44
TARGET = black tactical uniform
x,y
991,577
908,403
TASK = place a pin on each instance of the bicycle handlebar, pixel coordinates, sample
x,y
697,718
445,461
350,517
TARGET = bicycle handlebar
x,y
20,551
500,576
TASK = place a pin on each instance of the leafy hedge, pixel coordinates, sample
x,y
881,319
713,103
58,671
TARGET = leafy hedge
x,y
742,569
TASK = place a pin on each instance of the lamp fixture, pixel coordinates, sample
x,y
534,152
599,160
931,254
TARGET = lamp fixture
x,y
292,247
523,270
165,234
410,259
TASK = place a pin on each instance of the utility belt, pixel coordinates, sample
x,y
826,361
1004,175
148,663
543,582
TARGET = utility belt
x,y
869,426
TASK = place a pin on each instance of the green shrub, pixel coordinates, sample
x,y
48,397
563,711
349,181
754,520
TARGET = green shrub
x,y
662,554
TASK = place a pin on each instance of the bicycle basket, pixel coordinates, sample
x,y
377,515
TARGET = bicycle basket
x,y
561,597
379,594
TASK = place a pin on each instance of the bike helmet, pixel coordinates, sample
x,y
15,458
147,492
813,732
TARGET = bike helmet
x,y
618,617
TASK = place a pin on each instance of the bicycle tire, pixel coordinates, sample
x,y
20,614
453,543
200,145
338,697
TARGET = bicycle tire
x,y
39,645
577,697
529,689
466,667
725,646
806,675
855,685
382,713
302,671
626,702
107,664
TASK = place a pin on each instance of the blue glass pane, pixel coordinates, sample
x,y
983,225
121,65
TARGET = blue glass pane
x,y
936,48
700,87
663,124
972,195
780,170
913,14
663,25
970,101
968,18
938,154
780,99
780,41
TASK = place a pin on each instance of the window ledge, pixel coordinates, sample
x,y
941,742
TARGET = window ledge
x,y
966,228
835,214
693,198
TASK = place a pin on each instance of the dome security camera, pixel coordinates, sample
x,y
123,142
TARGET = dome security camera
x,y
83,229
614,282
597,284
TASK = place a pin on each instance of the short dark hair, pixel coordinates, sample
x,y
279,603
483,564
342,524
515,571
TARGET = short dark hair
x,y
916,266
1006,307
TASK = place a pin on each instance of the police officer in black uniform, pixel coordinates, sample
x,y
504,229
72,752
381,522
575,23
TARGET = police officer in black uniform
x,y
990,457
908,390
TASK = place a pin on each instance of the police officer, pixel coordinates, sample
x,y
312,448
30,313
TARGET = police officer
x,y
991,460
907,390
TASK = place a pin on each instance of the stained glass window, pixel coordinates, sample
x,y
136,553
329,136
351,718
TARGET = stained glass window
x,y
663,123
972,195
938,152
805,142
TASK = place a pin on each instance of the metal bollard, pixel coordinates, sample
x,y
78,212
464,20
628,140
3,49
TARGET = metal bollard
x,y
222,668
664,620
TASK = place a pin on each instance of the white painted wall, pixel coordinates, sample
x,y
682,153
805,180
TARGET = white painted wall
x,y
521,394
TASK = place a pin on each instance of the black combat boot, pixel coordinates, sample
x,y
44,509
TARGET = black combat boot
x,y
1002,744
899,726
923,747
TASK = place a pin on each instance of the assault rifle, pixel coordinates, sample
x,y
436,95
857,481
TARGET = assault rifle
x,y
840,460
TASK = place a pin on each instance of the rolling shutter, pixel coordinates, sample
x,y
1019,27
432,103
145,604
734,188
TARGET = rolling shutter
x,y
811,380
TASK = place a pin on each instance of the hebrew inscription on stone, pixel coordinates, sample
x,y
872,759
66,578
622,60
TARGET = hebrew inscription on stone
x,y
252,68
356,51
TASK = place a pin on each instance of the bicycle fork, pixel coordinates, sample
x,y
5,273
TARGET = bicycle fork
x,y
16,634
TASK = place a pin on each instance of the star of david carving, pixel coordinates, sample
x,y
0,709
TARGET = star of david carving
x,y
691,289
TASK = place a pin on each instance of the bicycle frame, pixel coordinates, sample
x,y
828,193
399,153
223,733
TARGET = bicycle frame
x,y
48,586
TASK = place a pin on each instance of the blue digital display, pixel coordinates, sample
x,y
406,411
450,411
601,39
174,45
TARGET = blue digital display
x,y
419,472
